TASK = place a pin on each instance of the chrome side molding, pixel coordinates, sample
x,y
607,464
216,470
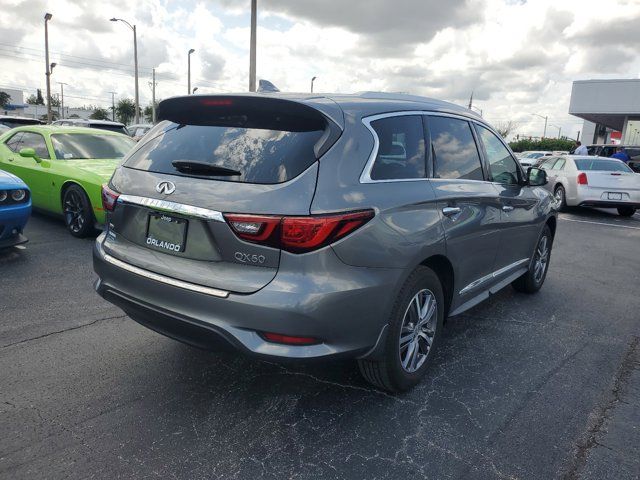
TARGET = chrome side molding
x,y
172,207
497,273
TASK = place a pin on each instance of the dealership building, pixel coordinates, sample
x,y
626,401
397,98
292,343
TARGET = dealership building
x,y
610,110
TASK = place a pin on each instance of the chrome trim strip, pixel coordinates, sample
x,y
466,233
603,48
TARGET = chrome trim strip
x,y
493,275
161,278
172,207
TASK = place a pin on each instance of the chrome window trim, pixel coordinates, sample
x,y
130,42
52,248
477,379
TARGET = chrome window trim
x,y
497,273
365,176
161,278
172,207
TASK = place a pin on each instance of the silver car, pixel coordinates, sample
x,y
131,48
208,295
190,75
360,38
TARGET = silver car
x,y
586,181
304,227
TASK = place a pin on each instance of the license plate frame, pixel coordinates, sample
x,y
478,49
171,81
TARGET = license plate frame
x,y
614,196
166,232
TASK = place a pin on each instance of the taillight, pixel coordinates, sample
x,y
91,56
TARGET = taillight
x,y
297,234
582,179
109,198
289,339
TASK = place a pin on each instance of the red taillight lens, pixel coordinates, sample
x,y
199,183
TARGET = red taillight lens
x,y
297,234
288,339
582,179
109,198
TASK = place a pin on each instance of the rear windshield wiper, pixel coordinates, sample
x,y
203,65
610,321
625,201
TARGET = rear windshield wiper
x,y
203,168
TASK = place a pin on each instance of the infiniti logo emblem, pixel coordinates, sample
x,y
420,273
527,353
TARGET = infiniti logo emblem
x,y
166,188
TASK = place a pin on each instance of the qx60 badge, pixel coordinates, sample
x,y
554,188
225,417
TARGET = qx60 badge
x,y
166,188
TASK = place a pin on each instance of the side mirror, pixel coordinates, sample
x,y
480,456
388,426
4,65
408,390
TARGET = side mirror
x,y
536,177
29,153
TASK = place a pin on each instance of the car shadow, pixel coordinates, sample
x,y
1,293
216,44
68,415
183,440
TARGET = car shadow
x,y
598,214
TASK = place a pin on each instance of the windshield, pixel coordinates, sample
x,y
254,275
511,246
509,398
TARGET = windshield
x,y
601,165
70,146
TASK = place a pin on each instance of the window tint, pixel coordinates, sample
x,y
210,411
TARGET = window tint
x,y
559,165
502,166
261,155
401,150
455,152
35,141
14,142
601,165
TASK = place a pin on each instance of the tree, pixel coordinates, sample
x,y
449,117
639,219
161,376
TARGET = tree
x,y
505,128
35,100
100,114
125,110
148,113
74,115
55,101
4,99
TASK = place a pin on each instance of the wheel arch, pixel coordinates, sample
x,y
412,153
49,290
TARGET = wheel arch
x,y
443,268
552,222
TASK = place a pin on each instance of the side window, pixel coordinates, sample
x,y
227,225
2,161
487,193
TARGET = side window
x,y
559,165
548,163
401,150
35,141
13,143
455,151
502,166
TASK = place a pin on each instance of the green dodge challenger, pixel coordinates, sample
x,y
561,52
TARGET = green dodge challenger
x,y
65,168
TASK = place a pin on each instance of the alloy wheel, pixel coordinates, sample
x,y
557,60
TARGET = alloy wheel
x,y
74,211
541,259
418,329
559,196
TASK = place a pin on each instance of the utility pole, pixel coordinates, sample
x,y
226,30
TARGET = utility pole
x,y
189,71
252,47
135,61
153,96
113,106
47,17
62,97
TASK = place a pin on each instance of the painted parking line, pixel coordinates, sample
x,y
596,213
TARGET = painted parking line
x,y
599,223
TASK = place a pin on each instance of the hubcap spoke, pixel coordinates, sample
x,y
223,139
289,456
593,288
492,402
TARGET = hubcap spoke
x,y
417,330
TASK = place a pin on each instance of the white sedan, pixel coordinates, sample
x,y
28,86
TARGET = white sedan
x,y
530,157
584,181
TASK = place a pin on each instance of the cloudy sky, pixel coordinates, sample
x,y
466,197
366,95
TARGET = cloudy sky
x,y
517,56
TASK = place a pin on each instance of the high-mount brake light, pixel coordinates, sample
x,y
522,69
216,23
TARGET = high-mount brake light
x,y
109,198
216,102
582,179
297,234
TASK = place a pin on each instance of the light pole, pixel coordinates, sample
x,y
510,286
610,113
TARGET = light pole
x,y
252,46
558,127
194,89
545,123
135,61
62,97
47,17
113,106
189,71
312,79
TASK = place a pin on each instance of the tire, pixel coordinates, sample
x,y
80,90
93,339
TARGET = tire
x,y
626,211
561,197
532,280
78,215
389,373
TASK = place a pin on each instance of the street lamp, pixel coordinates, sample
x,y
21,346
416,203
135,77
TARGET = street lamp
x,y
47,17
135,60
558,127
252,46
312,79
62,97
194,89
545,123
189,71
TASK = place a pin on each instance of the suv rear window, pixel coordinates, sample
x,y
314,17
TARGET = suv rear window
x,y
260,155
601,165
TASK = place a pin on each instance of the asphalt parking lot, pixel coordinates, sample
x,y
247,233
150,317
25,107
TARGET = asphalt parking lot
x,y
524,387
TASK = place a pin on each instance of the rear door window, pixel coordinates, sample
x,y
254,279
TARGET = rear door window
x,y
454,148
401,148
260,155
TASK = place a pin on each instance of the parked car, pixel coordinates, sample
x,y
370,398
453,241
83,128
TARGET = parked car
x,y
584,181
65,168
15,208
527,159
139,130
11,121
4,128
311,227
101,124
604,150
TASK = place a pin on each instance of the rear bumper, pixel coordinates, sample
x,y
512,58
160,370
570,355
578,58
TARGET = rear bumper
x,y
608,204
345,307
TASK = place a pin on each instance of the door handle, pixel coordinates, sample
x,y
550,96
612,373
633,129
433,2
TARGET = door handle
x,y
449,211
507,208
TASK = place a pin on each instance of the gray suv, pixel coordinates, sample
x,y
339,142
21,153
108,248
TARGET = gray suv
x,y
300,227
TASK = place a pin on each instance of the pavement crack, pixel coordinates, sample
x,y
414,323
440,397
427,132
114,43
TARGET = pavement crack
x,y
598,417
76,327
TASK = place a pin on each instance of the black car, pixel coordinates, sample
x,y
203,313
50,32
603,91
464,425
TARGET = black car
x,y
604,150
